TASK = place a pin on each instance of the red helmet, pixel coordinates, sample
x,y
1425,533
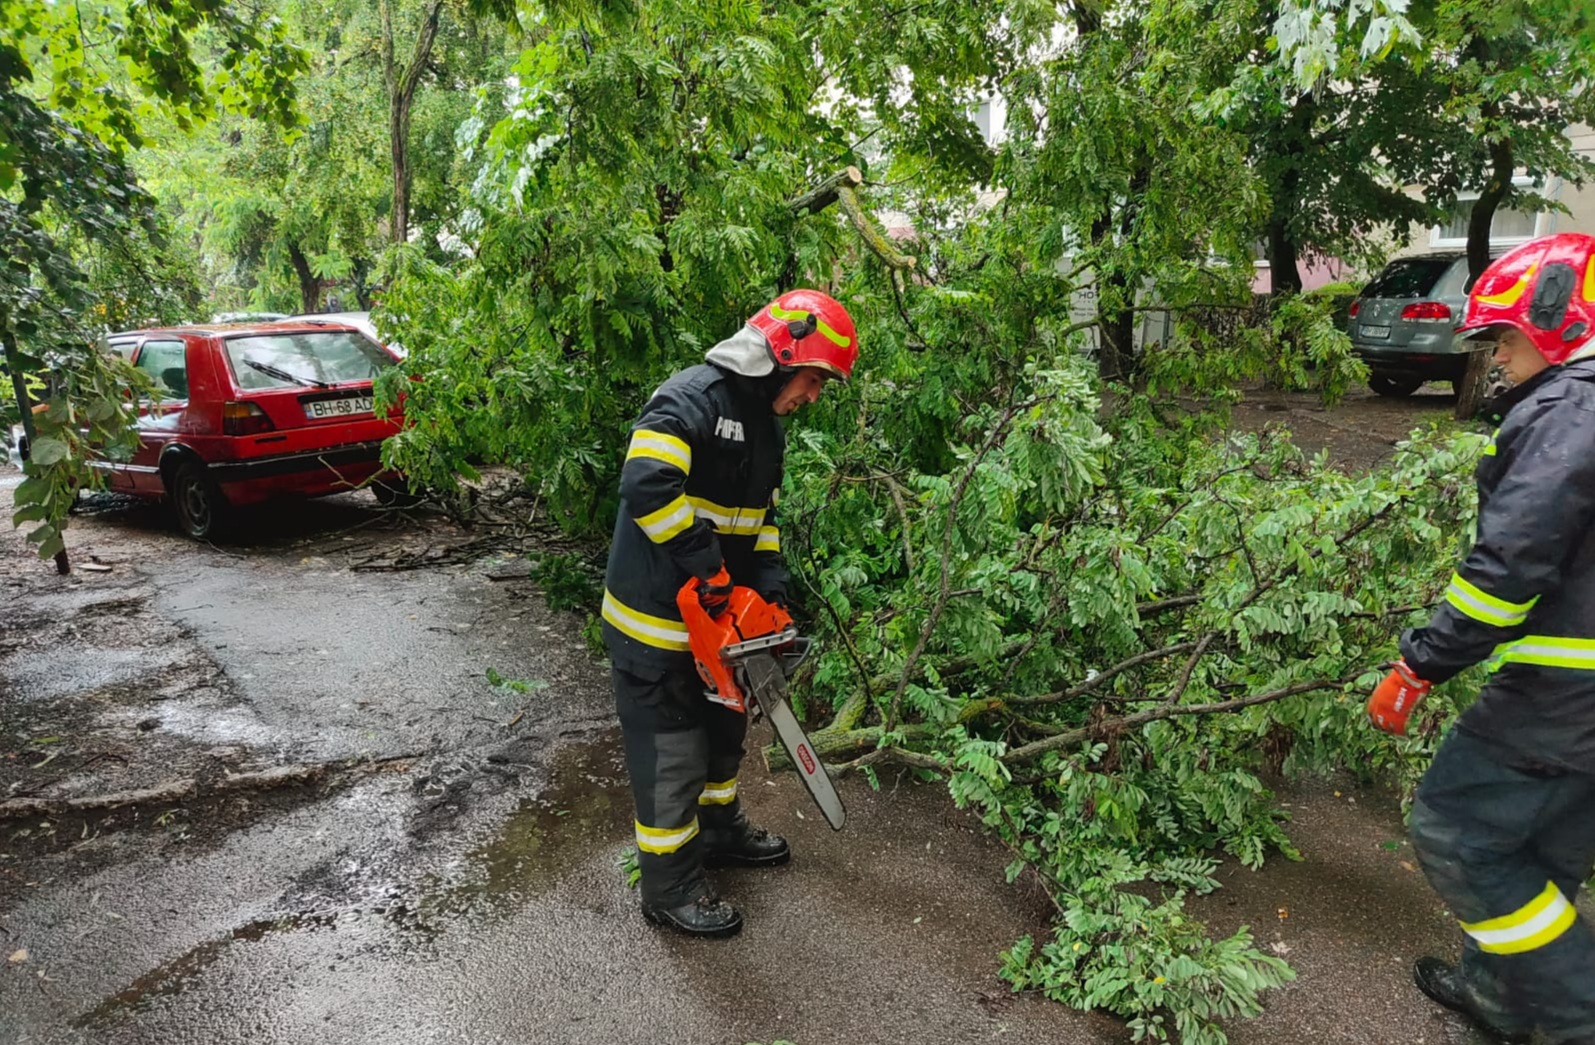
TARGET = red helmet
x,y
807,328
1545,288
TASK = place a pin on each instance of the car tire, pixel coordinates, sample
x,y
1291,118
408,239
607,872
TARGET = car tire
x,y
395,492
1394,387
199,507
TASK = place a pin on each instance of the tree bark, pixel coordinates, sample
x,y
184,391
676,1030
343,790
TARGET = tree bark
x,y
1473,383
309,285
1284,264
1483,217
402,83
825,193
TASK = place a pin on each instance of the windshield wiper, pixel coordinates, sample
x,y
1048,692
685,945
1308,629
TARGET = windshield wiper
x,y
283,375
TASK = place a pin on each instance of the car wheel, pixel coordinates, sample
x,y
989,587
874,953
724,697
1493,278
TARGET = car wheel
x,y
1394,387
198,505
395,492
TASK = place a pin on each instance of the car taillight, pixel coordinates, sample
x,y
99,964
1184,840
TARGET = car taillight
x,y
245,419
1427,312
1356,307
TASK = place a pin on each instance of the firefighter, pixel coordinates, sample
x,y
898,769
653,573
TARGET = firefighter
x,y
698,495
1501,822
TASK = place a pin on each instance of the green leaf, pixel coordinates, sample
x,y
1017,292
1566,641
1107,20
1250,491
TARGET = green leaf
x,y
46,451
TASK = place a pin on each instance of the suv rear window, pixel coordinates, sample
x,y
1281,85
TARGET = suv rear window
x,y
1408,278
331,356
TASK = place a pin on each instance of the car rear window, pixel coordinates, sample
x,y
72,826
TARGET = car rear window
x,y
330,356
1408,278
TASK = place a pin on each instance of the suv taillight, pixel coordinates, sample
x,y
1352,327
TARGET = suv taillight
x,y
245,419
1356,307
1427,312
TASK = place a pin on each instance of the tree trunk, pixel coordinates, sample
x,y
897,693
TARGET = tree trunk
x,y
1484,208
309,285
1291,148
1471,386
1284,265
402,83
1116,331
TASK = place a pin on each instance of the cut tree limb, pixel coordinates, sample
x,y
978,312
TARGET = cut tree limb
x,y
826,192
873,237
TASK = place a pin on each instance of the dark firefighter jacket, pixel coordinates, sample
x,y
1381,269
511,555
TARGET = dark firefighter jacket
x,y
1524,598
699,487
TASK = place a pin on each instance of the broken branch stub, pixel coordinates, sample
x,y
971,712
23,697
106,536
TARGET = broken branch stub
x,y
825,193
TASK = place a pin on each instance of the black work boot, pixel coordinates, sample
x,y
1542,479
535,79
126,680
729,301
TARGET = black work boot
x,y
737,843
708,915
1443,983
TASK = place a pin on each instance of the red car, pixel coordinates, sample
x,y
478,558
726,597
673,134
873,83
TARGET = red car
x,y
245,413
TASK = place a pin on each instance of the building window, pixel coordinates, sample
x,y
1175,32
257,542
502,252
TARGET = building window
x,y
1509,225
991,119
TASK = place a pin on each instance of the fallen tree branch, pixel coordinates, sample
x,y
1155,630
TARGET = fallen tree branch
x,y
1096,680
898,756
844,742
1146,609
1029,752
1190,666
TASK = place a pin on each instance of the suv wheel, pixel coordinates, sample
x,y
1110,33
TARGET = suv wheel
x,y
1394,387
197,503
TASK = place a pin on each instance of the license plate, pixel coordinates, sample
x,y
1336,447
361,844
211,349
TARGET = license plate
x,y
317,409
1368,331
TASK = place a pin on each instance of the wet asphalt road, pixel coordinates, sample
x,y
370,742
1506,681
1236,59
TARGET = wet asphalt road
x,y
447,901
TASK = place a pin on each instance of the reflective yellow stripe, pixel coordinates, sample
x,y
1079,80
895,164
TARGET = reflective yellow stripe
x,y
1528,928
719,794
661,840
745,521
659,632
668,521
1547,651
1509,296
830,334
661,446
1589,280
769,540
1489,448
1484,607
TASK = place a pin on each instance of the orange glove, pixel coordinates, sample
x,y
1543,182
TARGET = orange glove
x,y
1395,698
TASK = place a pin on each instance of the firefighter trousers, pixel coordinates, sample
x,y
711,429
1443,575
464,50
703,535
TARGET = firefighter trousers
x,y
682,754
1508,844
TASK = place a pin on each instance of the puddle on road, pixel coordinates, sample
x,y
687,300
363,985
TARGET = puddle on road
x,y
583,813
585,809
173,976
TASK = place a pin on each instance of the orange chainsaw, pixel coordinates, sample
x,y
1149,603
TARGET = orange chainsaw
x,y
750,649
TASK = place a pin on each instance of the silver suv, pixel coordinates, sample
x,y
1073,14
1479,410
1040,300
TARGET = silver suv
x,y
1402,323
